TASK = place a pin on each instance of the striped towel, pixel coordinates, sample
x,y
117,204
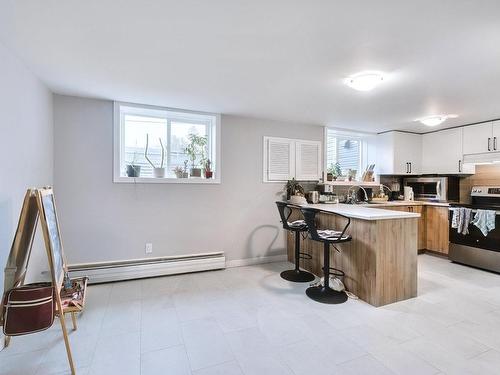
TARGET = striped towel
x,y
464,219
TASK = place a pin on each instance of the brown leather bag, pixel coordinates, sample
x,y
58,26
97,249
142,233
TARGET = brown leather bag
x,y
28,309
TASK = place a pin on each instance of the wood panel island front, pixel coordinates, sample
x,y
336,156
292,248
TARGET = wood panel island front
x,y
380,263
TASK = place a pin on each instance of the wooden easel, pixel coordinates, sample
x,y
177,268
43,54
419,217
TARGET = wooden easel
x,y
39,206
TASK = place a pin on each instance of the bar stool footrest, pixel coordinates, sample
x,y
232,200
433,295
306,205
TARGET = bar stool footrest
x,y
305,256
336,272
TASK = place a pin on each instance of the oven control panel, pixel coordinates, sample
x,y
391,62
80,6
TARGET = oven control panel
x,y
485,191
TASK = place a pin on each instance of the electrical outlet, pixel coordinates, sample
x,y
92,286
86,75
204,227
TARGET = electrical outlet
x,y
149,248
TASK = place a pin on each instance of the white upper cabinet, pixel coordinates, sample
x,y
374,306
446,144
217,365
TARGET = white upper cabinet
x,y
442,153
399,153
307,160
478,138
286,158
495,145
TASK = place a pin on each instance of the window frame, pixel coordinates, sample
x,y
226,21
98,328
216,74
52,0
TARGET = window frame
x,y
361,137
119,145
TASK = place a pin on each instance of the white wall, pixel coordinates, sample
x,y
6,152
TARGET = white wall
x,y
102,221
26,147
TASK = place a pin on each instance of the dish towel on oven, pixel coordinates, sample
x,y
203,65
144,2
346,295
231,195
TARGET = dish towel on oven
x,y
454,217
484,220
464,219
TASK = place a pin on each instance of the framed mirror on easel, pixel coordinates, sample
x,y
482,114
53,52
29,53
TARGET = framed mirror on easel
x,y
30,308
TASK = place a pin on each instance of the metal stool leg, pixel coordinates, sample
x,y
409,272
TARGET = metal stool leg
x,y
325,294
297,275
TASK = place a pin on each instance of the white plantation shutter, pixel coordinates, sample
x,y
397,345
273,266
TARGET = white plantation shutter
x,y
308,160
280,156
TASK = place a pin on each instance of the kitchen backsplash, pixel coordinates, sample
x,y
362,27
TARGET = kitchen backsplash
x,y
488,174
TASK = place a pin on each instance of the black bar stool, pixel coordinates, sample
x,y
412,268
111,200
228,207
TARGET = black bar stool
x,y
325,294
297,227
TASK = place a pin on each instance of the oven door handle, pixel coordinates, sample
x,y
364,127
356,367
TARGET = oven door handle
x,y
438,190
472,210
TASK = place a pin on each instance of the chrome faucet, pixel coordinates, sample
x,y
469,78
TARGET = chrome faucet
x,y
387,187
353,199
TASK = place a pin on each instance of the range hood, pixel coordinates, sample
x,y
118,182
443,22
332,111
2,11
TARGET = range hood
x,y
484,158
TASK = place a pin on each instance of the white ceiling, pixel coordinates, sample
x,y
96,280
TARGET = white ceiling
x,y
273,59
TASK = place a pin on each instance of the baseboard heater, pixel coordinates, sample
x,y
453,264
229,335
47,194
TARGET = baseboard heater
x,y
148,267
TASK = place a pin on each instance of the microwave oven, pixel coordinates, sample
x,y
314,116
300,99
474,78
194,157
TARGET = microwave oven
x,y
437,189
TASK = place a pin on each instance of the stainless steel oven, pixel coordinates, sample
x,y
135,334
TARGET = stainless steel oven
x,y
434,188
475,248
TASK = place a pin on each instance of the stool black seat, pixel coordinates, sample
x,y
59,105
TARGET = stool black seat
x,y
325,294
297,227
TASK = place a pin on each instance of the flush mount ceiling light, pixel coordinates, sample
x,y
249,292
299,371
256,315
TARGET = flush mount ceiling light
x,y
435,120
364,81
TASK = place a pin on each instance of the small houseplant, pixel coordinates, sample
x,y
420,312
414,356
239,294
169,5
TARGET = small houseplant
x,y
294,189
133,170
195,149
207,166
334,171
158,172
179,172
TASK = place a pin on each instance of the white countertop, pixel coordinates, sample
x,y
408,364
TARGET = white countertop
x,y
409,203
363,212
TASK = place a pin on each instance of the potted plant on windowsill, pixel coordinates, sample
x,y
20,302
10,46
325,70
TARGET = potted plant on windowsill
x,y
208,168
132,169
196,148
158,172
181,172
334,172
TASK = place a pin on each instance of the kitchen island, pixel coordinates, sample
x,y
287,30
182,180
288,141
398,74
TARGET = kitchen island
x,y
380,263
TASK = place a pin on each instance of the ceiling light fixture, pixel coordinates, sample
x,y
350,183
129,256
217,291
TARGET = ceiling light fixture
x,y
364,81
435,119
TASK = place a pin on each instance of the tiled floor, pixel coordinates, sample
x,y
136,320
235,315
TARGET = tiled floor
x,y
249,321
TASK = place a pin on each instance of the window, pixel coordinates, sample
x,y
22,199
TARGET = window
x,y
345,149
137,126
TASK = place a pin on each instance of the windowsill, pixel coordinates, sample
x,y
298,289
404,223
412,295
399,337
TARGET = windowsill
x,y
166,180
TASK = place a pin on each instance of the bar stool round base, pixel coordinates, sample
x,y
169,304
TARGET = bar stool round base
x,y
326,295
297,276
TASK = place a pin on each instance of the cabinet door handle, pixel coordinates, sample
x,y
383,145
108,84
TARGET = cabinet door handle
x,y
460,165
495,143
489,144
410,167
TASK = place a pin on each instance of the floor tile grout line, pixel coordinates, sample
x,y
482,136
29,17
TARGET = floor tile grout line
x,y
216,365
100,330
140,332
